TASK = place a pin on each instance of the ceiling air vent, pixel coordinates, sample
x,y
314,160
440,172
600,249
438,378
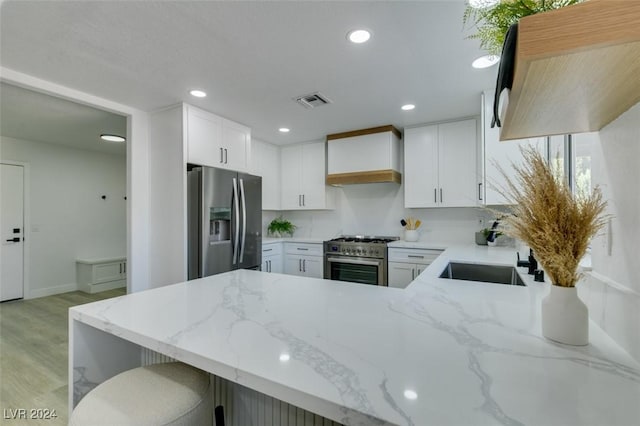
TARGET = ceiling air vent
x,y
312,100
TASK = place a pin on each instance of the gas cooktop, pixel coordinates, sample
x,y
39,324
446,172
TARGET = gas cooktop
x,y
364,239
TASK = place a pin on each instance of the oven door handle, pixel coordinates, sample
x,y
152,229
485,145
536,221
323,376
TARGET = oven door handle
x,y
352,261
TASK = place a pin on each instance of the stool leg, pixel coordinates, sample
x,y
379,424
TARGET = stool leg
x,y
219,415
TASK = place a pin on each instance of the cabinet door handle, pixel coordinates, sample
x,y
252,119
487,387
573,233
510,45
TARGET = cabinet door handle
x,y
303,204
435,195
299,265
413,274
299,200
440,194
124,267
221,156
480,191
226,156
120,265
304,265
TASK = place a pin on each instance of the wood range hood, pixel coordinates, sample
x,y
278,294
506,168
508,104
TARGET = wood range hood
x,y
364,156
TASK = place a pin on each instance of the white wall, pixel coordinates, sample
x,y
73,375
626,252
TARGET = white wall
x,y
612,292
377,209
138,212
68,217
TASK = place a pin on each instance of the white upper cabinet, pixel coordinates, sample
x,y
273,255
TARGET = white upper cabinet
x,y
236,145
204,137
265,162
497,153
216,142
440,165
303,172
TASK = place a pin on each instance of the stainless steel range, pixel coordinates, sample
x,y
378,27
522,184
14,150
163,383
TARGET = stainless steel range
x,y
357,259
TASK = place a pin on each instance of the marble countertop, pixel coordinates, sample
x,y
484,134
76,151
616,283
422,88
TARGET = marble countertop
x,y
442,352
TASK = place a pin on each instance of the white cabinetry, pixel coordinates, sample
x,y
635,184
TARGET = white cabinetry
x,y
179,135
440,165
404,265
216,142
265,162
302,177
272,257
497,153
304,259
95,275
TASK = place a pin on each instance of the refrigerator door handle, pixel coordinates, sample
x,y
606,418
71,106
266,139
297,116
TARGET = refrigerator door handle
x,y
244,220
236,234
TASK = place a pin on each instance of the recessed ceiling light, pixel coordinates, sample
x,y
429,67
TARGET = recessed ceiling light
x,y
485,61
198,93
409,394
112,138
481,4
284,130
358,36
408,107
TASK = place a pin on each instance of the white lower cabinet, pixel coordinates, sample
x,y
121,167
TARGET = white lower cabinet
x,y
404,265
272,257
304,259
95,275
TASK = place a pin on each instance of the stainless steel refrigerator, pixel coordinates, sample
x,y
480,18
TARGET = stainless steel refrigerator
x,y
224,211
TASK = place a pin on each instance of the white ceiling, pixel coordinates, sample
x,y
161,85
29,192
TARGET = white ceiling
x,y
254,57
34,116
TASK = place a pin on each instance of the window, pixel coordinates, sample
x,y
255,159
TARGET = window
x,y
556,154
583,145
570,159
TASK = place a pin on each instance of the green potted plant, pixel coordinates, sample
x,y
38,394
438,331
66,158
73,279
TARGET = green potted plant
x,y
279,227
492,18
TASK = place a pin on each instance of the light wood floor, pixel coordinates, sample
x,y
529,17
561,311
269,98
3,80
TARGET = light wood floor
x,y
34,354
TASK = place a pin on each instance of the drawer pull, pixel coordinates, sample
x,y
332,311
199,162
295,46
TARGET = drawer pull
x,y
302,248
415,256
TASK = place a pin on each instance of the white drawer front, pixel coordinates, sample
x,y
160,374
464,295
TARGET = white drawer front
x,y
421,256
306,249
271,249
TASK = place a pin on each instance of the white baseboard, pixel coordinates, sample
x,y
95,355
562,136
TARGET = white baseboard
x,y
35,293
96,288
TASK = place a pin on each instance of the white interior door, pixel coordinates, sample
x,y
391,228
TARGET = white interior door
x,y
12,231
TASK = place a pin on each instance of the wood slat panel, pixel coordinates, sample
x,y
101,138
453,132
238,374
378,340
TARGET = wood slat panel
x,y
247,407
576,69
374,176
370,131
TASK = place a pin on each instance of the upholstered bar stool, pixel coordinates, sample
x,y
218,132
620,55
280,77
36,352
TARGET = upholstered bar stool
x,y
159,394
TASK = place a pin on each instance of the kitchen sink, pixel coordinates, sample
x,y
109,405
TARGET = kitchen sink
x,y
485,273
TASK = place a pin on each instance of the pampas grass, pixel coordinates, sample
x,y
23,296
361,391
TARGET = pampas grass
x,y
555,223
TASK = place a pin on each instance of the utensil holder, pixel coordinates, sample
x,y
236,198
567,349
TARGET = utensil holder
x,y
411,235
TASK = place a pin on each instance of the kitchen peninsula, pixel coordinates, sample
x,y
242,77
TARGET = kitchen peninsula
x,y
441,351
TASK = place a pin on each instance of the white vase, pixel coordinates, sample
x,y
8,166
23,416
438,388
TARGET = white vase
x,y
565,319
410,235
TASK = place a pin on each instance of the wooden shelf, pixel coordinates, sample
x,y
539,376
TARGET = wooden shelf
x,y
577,69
